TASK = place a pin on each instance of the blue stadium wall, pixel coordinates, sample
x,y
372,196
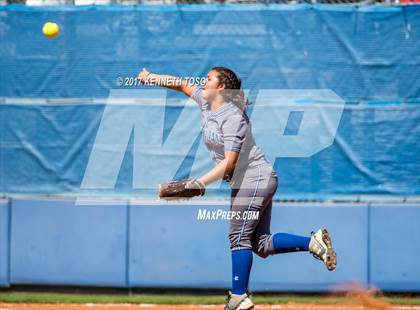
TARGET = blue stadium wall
x,y
368,56
130,244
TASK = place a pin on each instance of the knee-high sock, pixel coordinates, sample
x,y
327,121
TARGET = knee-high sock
x,y
241,268
285,243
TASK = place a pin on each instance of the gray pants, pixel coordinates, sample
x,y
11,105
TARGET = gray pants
x,y
255,193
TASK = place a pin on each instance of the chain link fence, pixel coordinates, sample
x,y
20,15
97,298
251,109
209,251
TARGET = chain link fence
x,y
169,2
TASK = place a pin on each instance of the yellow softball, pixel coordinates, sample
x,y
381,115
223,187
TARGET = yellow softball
x,y
50,30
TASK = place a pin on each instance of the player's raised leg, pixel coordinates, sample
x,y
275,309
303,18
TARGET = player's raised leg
x,y
319,243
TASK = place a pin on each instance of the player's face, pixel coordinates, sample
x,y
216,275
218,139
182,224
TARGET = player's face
x,y
212,86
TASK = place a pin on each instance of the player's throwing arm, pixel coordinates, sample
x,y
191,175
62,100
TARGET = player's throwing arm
x,y
184,189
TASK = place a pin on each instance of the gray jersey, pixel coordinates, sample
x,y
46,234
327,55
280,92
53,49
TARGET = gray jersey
x,y
228,129
254,182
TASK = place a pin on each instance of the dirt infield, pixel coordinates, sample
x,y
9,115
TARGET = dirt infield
x,y
290,306
369,300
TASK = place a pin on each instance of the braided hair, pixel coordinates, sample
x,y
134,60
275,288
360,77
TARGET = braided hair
x,y
233,92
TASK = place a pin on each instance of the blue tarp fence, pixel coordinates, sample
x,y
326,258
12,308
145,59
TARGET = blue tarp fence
x,y
368,56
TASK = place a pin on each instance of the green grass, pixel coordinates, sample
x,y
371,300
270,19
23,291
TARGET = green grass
x,y
23,297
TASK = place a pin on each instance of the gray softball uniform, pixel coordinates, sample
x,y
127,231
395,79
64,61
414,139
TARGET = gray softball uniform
x,y
254,181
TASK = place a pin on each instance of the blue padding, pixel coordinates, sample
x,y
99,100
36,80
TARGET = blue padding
x,y
4,242
165,245
395,246
56,242
170,248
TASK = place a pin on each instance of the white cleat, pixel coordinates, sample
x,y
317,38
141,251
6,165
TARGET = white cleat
x,y
239,302
321,247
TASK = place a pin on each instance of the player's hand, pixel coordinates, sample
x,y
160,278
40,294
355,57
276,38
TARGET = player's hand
x,y
142,77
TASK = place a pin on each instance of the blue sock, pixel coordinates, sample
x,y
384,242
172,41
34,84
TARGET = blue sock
x,y
241,268
285,243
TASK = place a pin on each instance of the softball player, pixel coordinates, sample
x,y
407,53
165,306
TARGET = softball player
x,y
227,135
